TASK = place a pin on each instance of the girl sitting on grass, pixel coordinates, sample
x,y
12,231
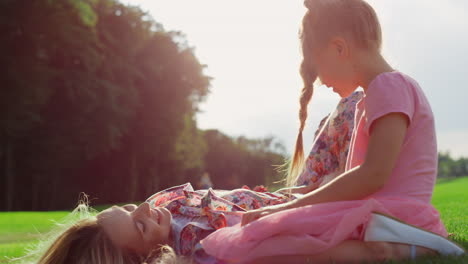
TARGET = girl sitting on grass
x,y
376,153
390,168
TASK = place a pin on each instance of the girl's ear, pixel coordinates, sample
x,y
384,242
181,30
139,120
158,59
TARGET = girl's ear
x,y
340,46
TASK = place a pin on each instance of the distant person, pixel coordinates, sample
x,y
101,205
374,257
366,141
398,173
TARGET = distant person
x,y
205,181
363,193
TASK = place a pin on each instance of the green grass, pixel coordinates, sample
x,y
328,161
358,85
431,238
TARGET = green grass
x,y
21,229
451,200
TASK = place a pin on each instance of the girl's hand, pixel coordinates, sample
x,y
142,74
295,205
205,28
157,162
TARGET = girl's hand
x,y
253,215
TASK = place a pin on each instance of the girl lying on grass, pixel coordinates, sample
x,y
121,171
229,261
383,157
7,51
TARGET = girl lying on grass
x,y
376,152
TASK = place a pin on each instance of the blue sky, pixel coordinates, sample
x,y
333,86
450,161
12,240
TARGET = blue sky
x,y
252,51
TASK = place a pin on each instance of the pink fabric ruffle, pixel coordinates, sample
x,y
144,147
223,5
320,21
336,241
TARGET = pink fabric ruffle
x,y
314,228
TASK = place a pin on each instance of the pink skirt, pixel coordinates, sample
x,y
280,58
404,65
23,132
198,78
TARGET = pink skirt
x,y
314,228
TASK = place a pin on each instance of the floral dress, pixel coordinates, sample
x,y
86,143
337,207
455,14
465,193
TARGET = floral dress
x,y
198,213
331,142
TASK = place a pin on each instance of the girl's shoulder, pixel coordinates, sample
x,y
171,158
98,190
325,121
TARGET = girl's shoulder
x,y
395,91
396,85
394,80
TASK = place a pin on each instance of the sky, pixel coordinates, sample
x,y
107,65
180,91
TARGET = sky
x,y
251,49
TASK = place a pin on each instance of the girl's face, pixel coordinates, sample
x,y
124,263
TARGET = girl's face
x,y
334,66
138,228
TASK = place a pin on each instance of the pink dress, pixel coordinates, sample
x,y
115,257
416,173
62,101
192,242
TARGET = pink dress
x,y
315,228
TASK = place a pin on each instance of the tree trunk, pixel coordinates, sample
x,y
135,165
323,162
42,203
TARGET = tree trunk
x,y
3,172
133,178
9,178
35,192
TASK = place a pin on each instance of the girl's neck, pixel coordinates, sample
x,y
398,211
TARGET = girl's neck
x,y
171,238
369,66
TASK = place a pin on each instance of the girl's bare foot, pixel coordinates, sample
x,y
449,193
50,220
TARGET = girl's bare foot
x,y
403,251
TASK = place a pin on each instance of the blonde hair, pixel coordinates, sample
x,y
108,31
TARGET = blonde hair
x,y
78,239
86,242
324,19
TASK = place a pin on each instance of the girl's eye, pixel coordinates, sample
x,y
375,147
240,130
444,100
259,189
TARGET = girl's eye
x,y
141,226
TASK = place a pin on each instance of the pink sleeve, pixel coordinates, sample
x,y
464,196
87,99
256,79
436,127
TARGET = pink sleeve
x,y
388,93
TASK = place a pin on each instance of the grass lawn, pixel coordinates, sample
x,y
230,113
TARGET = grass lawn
x,y
20,229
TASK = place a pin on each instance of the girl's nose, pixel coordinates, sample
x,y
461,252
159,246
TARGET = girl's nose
x,y
130,207
143,209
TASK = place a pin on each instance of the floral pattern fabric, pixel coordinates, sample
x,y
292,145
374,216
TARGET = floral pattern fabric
x,y
331,143
198,213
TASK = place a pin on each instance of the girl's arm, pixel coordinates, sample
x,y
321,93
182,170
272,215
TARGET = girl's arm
x,y
306,189
297,189
386,137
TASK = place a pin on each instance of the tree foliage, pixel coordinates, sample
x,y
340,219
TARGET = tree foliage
x,y
449,167
242,161
98,97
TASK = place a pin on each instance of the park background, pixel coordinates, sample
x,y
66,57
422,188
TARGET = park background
x,y
121,99
99,97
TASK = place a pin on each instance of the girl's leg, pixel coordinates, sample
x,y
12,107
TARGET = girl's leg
x,y
352,251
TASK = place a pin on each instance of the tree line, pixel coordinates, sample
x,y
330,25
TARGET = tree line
x,y
450,167
98,97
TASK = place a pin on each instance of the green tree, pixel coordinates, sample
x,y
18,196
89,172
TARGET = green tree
x,y
98,98
449,167
233,162
96,93
27,46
